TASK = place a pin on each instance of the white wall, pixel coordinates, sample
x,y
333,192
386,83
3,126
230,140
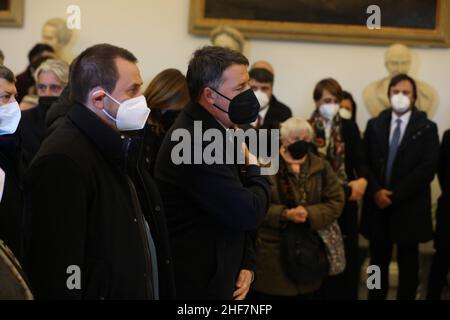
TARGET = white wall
x,y
157,32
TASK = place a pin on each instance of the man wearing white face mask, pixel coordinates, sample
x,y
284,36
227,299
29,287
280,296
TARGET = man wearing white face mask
x,y
11,165
92,205
402,148
272,111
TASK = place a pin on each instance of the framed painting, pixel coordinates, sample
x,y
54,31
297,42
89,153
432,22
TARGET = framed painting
x,y
412,22
11,13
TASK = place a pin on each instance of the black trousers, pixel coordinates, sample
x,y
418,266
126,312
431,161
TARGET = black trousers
x,y
438,272
381,247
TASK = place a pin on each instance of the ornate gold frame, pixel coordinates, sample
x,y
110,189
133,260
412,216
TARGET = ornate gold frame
x,y
439,37
14,16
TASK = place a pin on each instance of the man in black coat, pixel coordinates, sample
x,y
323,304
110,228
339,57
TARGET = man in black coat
x,y
11,165
272,112
95,223
441,261
32,127
210,208
402,148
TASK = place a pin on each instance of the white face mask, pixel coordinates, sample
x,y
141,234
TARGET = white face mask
x,y
132,114
345,114
9,118
400,103
263,98
329,110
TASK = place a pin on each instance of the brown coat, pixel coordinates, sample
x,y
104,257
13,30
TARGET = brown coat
x,y
325,204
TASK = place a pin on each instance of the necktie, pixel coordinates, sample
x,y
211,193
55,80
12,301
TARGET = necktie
x,y
393,148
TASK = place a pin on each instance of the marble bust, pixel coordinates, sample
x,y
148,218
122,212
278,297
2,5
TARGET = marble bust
x,y
228,37
56,34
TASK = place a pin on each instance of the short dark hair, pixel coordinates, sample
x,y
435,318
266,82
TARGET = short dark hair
x,y
403,77
96,67
2,56
38,49
7,74
329,84
348,96
261,75
207,66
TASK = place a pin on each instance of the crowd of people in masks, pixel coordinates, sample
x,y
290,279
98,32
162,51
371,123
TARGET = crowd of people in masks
x,y
93,205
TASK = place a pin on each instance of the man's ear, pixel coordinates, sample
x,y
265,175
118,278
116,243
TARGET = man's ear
x,y
209,95
97,98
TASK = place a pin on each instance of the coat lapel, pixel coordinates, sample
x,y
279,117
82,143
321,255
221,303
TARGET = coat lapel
x,y
415,124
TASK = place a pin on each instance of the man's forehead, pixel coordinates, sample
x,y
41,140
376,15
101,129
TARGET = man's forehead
x,y
405,84
256,82
129,73
235,75
6,86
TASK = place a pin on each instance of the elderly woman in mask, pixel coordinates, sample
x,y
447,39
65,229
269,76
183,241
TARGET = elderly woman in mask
x,y
305,191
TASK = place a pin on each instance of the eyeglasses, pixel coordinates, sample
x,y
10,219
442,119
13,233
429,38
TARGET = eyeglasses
x,y
54,88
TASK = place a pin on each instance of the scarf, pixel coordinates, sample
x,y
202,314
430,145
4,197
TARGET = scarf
x,y
335,152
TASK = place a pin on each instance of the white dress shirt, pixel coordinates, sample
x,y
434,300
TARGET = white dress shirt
x,y
405,120
262,115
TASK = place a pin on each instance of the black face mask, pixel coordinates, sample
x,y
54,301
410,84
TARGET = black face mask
x,y
46,102
298,150
244,108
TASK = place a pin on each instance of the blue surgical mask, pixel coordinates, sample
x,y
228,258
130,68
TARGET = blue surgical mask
x,y
9,118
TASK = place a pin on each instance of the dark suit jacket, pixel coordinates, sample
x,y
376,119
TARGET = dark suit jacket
x,y
278,112
209,211
355,160
409,217
32,127
443,212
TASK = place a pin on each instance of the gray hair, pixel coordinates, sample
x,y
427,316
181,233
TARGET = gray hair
x,y
296,126
59,67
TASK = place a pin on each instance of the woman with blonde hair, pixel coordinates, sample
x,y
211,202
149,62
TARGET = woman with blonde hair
x,y
166,95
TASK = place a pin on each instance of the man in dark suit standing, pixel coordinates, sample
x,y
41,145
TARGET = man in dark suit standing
x,y
272,111
402,150
441,260
211,208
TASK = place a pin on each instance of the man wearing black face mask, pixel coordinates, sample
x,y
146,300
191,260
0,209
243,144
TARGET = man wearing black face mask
x,y
210,208
51,78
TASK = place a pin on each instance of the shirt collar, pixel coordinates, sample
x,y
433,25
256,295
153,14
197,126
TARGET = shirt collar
x,y
404,117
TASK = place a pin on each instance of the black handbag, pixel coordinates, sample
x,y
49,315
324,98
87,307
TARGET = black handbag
x,y
303,254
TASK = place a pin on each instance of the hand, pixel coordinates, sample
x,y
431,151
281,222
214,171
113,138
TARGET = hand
x,y
297,215
243,284
358,189
250,159
382,198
